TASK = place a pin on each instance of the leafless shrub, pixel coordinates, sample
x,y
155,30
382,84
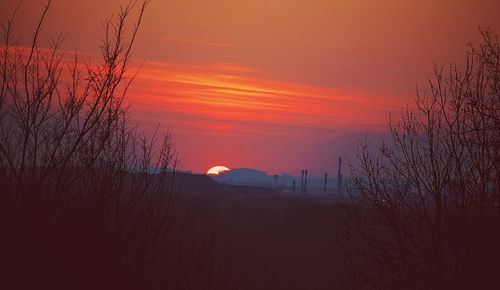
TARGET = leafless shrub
x,y
425,209
69,154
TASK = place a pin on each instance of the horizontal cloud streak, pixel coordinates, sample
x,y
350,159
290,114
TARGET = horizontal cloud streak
x,y
198,42
234,99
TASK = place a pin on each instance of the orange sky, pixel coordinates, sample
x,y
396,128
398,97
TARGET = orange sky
x,y
274,85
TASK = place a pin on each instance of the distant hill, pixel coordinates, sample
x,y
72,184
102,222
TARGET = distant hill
x,y
244,176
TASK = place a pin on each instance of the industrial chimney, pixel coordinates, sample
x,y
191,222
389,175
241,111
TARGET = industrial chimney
x,y
324,185
275,181
339,178
302,182
305,183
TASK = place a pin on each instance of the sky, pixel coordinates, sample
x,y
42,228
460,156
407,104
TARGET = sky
x,y
273,85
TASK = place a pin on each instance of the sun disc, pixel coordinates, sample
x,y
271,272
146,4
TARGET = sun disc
x,y
216,170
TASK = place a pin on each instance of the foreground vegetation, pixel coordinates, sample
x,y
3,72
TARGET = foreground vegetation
x,y
431,196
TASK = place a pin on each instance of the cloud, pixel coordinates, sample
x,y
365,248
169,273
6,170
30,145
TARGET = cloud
x,y
198,42
237,99
232,99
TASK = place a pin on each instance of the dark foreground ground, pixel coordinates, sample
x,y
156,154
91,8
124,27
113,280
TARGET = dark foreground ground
x,y
222,237
265,239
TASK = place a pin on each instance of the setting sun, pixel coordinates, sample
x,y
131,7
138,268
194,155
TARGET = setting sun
x,y
216,170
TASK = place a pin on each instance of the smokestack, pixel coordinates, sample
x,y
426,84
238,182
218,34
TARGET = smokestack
x,y
339,178
293,187
302,182
324,185
305,183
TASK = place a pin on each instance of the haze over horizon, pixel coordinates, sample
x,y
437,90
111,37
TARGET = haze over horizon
x,y
273,85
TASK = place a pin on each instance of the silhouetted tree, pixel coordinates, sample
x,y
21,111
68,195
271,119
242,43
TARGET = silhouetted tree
x,y
73,168
425,210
